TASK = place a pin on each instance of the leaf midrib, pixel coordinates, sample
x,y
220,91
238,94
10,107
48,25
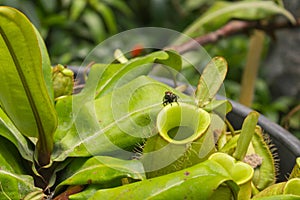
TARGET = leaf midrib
x,y
114,166
24,83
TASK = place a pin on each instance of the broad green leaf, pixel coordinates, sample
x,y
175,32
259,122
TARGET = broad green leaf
x,y
211,80
46,66
63,108
16,186
23,95
197,182
10,159
110,76
173,61
221,12
222,107
247,132
10,132
116,121
13,183
101,170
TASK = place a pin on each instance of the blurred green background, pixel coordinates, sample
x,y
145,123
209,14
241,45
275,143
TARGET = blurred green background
x,y
71,29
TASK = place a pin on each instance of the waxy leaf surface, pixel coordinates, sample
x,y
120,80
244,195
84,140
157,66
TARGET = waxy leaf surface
x,y
24,95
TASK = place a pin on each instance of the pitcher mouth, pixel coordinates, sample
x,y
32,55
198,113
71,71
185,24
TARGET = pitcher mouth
x,y
181,123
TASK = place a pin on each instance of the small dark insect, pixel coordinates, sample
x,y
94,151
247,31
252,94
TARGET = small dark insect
x,y
169,97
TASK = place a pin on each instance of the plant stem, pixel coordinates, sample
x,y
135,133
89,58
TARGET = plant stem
x,y
251,68
44,150
285,121
232,28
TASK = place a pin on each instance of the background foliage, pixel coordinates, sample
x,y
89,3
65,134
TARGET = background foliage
x,y
71,29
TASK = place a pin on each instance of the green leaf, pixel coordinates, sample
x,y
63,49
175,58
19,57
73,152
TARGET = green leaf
x,y
197,182
173,61
116,121
95,26
65,116
121,6
190,5
35,195
279,197
13,184
76,9
107,15
211,80
88,192
46,66
10,159
230,145
10,132
296,170
283,190
23,95
292,187
221,12
222,107
101,170
247,132
112,75
16,186
273,190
